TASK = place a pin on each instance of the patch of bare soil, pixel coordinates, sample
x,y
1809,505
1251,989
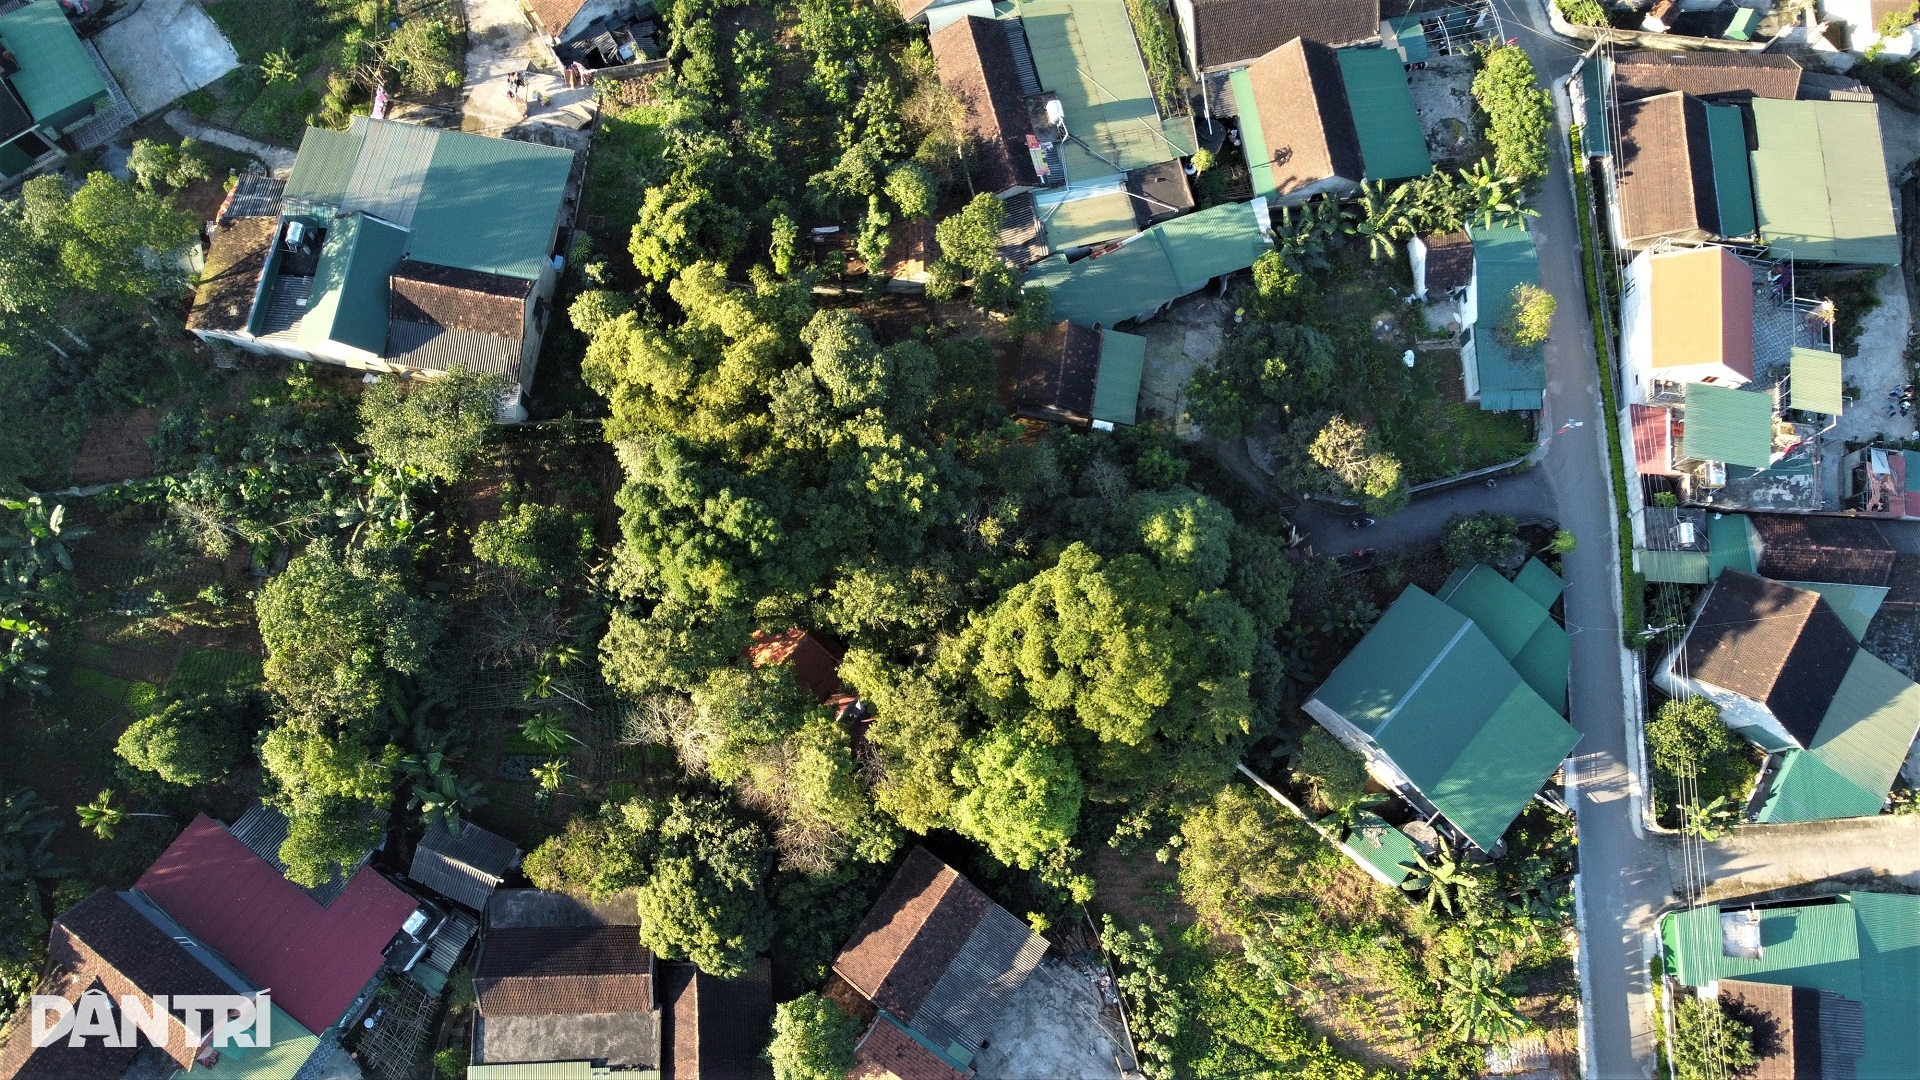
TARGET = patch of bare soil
x,y
1358,1014
114,448
1135,888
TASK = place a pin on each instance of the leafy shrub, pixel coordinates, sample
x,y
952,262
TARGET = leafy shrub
x,y
1686,733
1583,12
1519,113
544,546
1485,537
813,1039
1707,1043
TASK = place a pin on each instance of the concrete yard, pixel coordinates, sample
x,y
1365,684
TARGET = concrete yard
x,y
165,49
1054,1029
1180,342
499,42
1879,366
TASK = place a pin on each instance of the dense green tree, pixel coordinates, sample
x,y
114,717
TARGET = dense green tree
x,y
1236,851
1519,113
544,547
969,242
1483,537
597,855
916,736
153,163
1707,1043
422,53
1529,317
1020,798
192,741
1261,578
1188,534
813,1039
1358,468
1334,775
434,428
108,239
704,897
1687,733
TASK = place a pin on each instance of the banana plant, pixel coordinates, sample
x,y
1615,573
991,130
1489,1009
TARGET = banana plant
x,y
1711,821
1495,196
1381,218
1478,1006
548,730
445,797
1443,878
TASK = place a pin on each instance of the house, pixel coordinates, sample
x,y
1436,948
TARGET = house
x,y
398,249
937,15
1224,34
1677,156
815,658
1712,76
1500,375
50,87
976,66
1155,267
1072,375
1787,672
107,944
1820,187
1319,121
558,980
1441,715
1686,316
714,1028
1807,551
1832,977
1516,617
938,962
465,867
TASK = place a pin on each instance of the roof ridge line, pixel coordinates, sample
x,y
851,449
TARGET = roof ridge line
x,y
1466,624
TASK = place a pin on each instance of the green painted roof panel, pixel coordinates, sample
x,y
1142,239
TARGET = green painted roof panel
x,y
1820,181
1537,581
1677,567
324,166
1855,604
1731,542
1086,222
1732,175
1593,127
1494,777
1254,135
1412,36
1381,846
1215,241
490,204
1733,426
1870,725
1504,259
1391,143
290,1048
56,74
1503,612
1084,51
1911,460
1543,663
1116,389
352,285
1390,659
1816,385
1160,265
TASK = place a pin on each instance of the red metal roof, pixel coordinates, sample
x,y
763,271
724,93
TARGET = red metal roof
x,y
315,959
815,660
1652,441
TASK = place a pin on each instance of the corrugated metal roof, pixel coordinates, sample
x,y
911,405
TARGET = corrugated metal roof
x,y
352,283
1820,181
1593,128
263,829
55,73
1074,223
982,980
1116,390
1702,308
463,868
292,1045
1732,543
1517,624
1679,567
1391,142
1084,51
389,171
1732,175
442,348
1410,38
490,204
1160,265
1733,426
1504,259
1816,385
324,166
1251,133
545,1070
1855,604
1441,701
1215,241
1857,752
1382,847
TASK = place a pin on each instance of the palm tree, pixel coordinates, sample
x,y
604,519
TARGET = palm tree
x,y
101,817
1477,1004
548,730
1444,879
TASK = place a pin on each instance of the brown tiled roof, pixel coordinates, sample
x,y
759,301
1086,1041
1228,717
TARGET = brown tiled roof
x,y
1785,1022
976,65
1666,169
1056,374
910,937
888,1052
1232,32
814,656
460,299
554,15
1771,643
717,1027
235,257
1849,551
911,250
1304,116
539,970
1645,72
1449,261
911,9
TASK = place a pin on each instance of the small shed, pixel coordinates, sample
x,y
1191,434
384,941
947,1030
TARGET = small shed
x,y
464,867
1728,425
1073,375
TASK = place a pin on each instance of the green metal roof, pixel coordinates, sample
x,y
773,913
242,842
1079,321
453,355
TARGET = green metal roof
x,y
1593,125
1816,385
1911,460
1540,583
1862,742
1731,542
1732,176
1085,222
1446,707
324,166
1503,259
1864,947
1855,604
1734,426
1116,389
290,1048
352,284
1382,847
1084,51
1391,144
1678,567
1162,264
1412,38
56,74
1518,626
1741,28
1820,181
1255,136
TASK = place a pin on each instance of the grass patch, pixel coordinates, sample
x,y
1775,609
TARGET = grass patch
x,y
209,671
629,156
1488,438
86,680
1160,48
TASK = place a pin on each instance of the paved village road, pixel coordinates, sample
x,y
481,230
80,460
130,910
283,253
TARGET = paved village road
x,y
1623,879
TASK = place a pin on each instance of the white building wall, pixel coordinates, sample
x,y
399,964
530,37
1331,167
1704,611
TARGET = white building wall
x,y
1636,328
1742,715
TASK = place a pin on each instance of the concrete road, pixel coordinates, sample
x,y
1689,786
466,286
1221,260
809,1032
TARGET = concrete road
x,y
1813,857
